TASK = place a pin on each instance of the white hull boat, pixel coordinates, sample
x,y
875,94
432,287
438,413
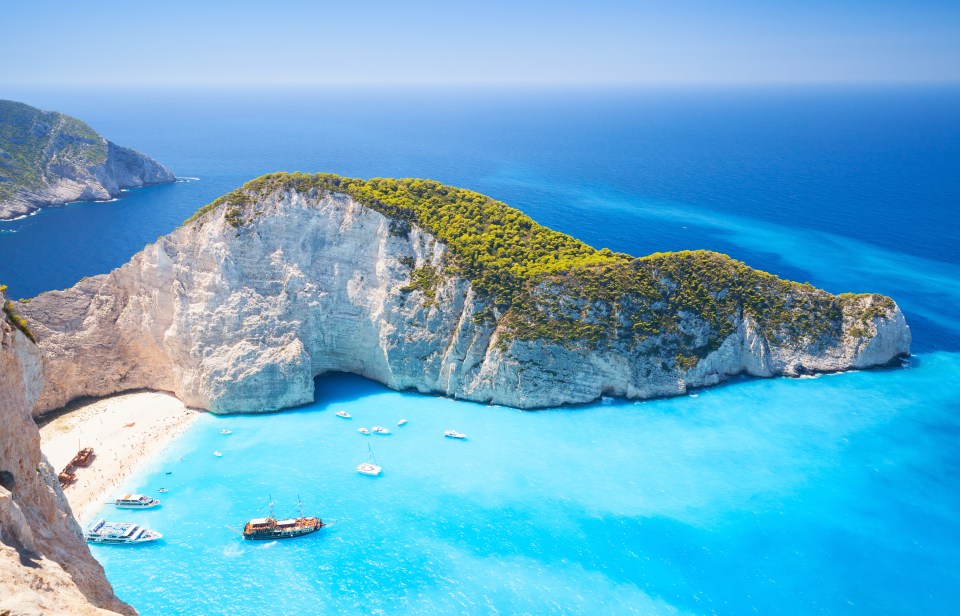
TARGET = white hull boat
x,y
455,434
119,533
135,501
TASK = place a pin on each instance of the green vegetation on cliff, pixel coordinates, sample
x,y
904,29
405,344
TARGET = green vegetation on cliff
x,y
31,140
547,285
15,319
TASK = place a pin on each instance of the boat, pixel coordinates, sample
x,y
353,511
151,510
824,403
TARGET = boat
x,y
272,528
369,468
162,490
136,501
218,454
363,431
225,431
66,477
83,458
380,430
344,414
402,422
454,434
119,532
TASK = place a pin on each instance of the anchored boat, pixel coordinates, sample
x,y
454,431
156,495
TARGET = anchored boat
x,y
135,501
119,532
369,468
344,414
454,434
272,528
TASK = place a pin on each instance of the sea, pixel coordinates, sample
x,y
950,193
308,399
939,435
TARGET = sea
x,y
835,494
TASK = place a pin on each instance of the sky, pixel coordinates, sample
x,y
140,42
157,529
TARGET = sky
x,y
107,43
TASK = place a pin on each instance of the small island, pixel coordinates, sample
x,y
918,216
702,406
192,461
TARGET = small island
x,y
48,158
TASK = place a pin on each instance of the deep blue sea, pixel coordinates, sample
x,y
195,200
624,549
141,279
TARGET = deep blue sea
x,y
829,495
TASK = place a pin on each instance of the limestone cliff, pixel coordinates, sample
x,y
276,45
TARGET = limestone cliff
x,y
47,158
294,276
45,566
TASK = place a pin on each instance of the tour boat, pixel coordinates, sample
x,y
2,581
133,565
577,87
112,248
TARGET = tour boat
x,y
119,532
363,431
369,468
136,501
380,430
454,434
344,414
217,453
225,431
402,422
272,528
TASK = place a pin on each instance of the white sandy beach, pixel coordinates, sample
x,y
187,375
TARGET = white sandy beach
x,y
121,449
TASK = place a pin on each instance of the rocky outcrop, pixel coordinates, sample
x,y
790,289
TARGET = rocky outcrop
x,y
242,307
45,566
47,158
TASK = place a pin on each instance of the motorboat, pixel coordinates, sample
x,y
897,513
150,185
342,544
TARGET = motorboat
x,y
225,431
135,501
344,414
119,532
162,490
363,431
218,454
379,430
402,422
454,434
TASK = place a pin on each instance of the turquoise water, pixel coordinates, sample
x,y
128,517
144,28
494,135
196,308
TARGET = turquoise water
x,y
830,495
767,496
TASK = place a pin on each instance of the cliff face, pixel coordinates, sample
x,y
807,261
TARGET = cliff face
x,y
45,566
238,310
47,158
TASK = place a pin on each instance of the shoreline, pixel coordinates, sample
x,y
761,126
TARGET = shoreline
x,y
121,449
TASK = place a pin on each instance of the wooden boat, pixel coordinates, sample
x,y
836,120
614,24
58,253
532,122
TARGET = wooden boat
x,y
66,477
83,458
271,528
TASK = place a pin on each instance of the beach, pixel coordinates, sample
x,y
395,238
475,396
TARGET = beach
x,y
125,432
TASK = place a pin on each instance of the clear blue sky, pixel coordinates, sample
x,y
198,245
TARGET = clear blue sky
x,y
371,42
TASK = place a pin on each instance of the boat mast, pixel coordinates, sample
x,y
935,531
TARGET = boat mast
x,y
300,505
271,505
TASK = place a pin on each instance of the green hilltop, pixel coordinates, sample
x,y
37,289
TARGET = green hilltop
x,y
545,285
32,139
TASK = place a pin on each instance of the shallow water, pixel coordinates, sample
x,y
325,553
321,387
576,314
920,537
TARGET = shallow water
x,y
830,495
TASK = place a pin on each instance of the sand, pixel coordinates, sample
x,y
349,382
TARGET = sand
x,y
121,450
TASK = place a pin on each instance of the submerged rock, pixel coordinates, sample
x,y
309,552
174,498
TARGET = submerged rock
x,y
425,287
48,158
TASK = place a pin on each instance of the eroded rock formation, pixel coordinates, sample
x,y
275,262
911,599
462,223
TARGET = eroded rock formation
x,y
242,307
45,566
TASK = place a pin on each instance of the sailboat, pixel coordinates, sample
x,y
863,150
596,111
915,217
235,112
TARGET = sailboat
x,y
369,468
272,528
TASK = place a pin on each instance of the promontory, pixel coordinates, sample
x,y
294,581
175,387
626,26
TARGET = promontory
x,y
48,158
426,287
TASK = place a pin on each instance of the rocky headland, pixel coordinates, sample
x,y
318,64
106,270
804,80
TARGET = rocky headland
x,y
48,158
426,287
45,566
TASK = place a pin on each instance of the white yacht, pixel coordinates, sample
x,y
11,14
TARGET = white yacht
x,y
379,430
119,532
343,413
363,431
454,434
135,501
369,468
218,454
402,422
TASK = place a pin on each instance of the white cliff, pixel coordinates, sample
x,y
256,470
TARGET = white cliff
x,y
240,309
45,566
